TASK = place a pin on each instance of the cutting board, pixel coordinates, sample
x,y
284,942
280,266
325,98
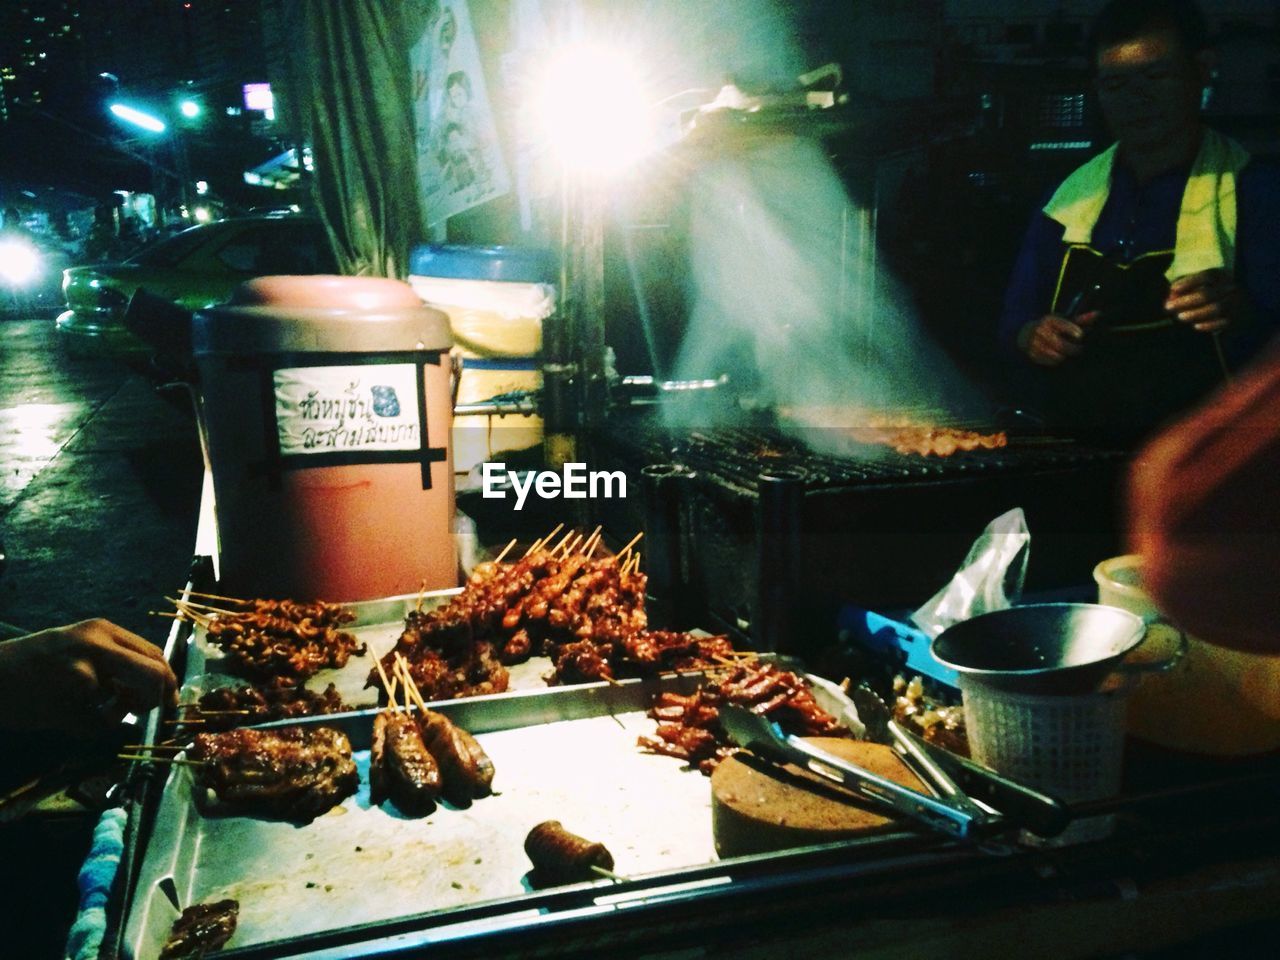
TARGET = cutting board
x,y
758,807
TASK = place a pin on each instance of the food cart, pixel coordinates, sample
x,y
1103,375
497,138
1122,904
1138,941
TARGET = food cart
x,y
757,536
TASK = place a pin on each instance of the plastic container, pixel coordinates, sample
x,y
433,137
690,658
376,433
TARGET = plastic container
x,y
496,299
1215,702
325,404
1069,746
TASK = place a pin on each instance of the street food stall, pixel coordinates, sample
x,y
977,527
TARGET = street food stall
x,y
631,725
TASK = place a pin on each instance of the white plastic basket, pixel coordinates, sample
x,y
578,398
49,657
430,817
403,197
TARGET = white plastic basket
x,y
1070,746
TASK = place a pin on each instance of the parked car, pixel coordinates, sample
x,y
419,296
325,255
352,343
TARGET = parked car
x,y
194,269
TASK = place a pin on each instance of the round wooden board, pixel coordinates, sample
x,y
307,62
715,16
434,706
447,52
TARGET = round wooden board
x,y
758,807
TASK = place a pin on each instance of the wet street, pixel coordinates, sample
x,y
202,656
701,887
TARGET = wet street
x,y
99,487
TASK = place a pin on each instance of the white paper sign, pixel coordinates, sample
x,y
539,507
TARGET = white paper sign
x,y
347,409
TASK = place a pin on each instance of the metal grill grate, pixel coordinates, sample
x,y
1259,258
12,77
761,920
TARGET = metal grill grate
x,y
737,456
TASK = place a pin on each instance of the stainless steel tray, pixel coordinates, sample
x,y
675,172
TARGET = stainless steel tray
x,y
566,753
378,625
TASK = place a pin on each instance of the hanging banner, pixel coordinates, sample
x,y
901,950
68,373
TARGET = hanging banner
x,y
459,162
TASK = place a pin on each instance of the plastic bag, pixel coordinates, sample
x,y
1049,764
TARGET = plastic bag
x,y
990,578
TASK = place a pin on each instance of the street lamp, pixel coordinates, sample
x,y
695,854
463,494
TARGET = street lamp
x,y
189,108
138,118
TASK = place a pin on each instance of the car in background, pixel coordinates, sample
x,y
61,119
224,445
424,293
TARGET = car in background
x,y
193,269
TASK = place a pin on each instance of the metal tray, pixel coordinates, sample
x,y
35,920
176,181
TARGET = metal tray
x,y
378,625
565,753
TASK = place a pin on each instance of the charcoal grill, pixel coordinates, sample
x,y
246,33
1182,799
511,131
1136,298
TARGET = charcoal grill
x,y
884,530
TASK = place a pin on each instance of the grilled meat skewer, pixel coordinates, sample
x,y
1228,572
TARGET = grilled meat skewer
x,y
465,767
400,767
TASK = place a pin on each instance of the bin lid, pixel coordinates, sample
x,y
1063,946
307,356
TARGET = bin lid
x,y
321,314
509,264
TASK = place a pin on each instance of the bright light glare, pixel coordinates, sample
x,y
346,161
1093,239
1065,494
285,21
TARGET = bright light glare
x,y
592,110
190,109
19,262
37,431
202,214
139,119
202,187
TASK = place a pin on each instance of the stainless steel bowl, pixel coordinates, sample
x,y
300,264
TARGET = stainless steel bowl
x,y
1046,648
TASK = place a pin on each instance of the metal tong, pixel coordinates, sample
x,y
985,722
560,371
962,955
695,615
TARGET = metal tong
x,y
952,812
763,737
1011,802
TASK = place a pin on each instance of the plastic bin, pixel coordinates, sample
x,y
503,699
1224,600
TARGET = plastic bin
x,y
325,403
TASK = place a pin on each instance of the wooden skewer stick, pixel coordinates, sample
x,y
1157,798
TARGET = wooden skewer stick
x,y
154,746
539,544
203,606
560,546
627,549
194,605
572,548
406,682
165,613
178,760
190,614
386,684
411,687
216,713
216,596
615,877
184,721
505,551
632,565
417,696
593,541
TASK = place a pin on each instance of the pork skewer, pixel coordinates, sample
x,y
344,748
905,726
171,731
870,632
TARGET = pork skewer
x,y
401,769
466,769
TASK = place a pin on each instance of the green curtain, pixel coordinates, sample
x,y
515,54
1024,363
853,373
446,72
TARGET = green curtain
x,y
348,89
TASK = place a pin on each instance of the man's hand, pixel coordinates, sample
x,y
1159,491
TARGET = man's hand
x,y
1208,300
80,678
1054,339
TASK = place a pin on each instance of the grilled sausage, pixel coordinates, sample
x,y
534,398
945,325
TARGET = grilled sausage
x,y
400,766
560,857
465,767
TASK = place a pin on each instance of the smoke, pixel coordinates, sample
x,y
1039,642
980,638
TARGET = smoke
x,y
788,299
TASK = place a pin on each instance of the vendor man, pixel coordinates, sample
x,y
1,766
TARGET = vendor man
x,y
1154,269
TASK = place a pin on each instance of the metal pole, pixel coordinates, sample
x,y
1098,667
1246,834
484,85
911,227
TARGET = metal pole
x,y
779,558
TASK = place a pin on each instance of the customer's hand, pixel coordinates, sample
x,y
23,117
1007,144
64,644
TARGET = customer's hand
x,y
80,678
1208,300
1054,339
